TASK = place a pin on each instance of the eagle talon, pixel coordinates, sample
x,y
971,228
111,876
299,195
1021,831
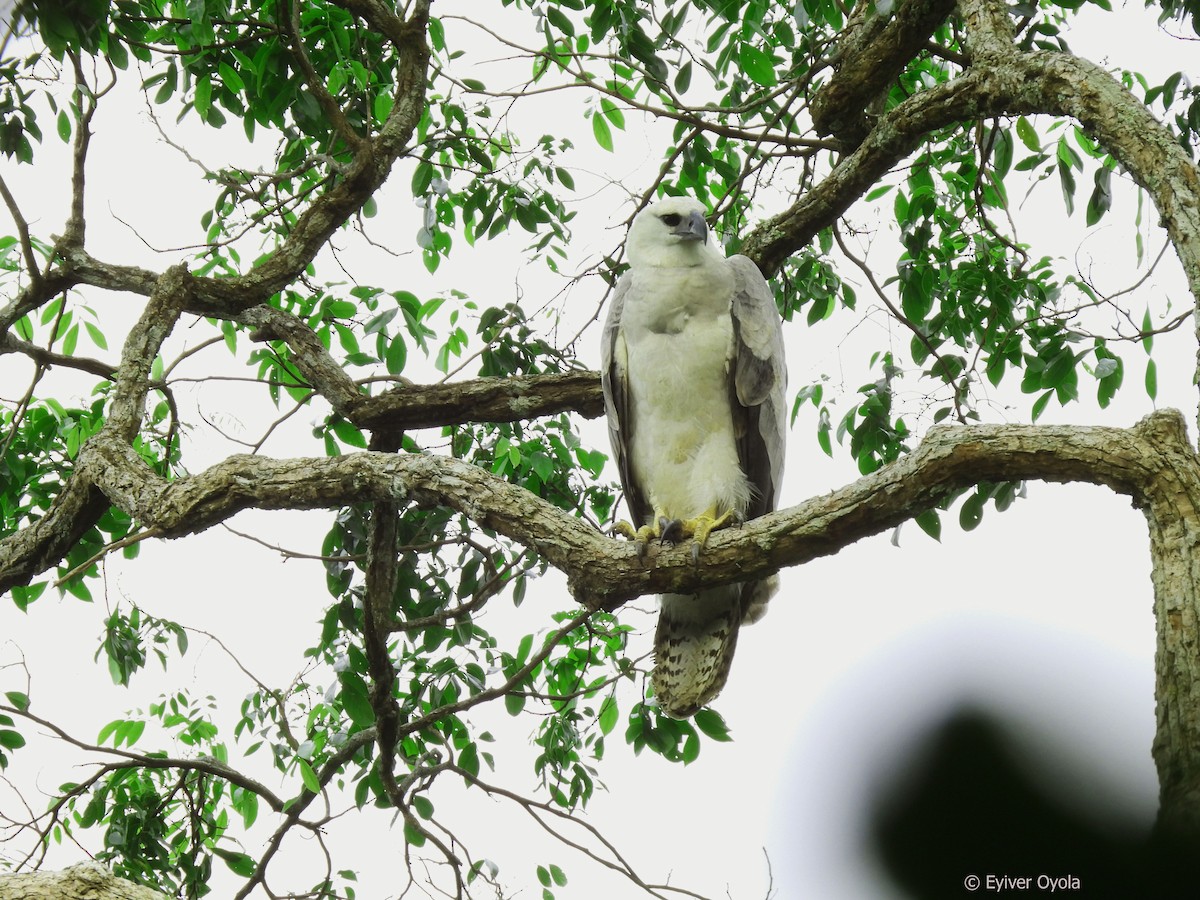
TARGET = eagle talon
x,y
625,530
671,531
641,537
705,524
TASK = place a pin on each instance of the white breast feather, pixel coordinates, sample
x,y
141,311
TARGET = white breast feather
x,y
678,337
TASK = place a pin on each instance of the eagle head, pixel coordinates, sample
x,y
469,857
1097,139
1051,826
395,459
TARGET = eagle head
x,y
670,232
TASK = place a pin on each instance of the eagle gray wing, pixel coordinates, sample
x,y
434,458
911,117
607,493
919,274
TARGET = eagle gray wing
x,y
614,383
759,383
759,387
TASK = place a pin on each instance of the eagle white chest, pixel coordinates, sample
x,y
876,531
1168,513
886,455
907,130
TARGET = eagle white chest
x,y
677,335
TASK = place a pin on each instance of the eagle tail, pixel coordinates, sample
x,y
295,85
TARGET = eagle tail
x,y
693,647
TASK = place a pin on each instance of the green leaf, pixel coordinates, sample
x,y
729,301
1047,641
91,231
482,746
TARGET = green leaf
x,y
602,132
1002,151
559,20
203,97
823,434
308,776
356,700
523,648
437,34
96,335
1151,379
1027,135
397,355
691,748
413,835
131,732
710,722
1039,405
558,875
64,125
609,713
24,328
613,113
1059,369
348,433
231,78
760,66
468,759
1101,200
1067,181
240,863
971,513
683,78
1110,371
930,523
245,803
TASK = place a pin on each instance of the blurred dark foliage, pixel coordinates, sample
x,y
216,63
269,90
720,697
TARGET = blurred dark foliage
x,y
969,806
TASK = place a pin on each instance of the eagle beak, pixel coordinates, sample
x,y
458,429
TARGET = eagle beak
x,y
692,228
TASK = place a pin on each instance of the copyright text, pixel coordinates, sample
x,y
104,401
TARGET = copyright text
x,y
1043,884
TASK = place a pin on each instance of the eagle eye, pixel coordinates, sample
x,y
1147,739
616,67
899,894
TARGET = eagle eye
x,y
671,219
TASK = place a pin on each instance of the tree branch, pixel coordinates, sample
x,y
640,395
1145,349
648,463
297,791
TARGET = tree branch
x,y
872,51
602,572
1004,81
48,358
483,400
426,406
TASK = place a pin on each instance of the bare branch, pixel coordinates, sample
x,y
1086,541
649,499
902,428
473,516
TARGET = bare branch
x,y
9,343
31,264
130,759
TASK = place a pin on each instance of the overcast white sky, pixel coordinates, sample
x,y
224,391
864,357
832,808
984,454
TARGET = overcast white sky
x,y
1043,614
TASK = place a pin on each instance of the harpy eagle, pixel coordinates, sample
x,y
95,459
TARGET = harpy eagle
x,y
694,377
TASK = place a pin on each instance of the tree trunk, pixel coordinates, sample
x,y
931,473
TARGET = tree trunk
x,y
86,881
1172,508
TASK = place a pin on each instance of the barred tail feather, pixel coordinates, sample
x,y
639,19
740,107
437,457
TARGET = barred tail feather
x,y
693,647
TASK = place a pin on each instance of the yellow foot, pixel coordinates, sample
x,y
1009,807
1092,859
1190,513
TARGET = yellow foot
x,y
647,533
699,528
641,535
673,531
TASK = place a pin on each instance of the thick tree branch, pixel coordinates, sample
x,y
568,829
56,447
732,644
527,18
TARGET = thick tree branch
x,y
483,400
426,406
896,135
309,355
872,51
363,176
603,572
1004,81
378,619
